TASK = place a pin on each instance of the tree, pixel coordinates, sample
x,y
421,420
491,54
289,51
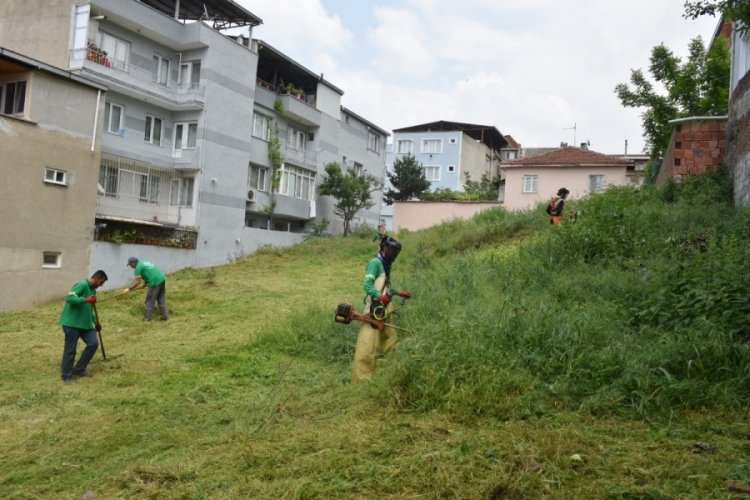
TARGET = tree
x,y
352,191
484,189
735,10
408,180
697,87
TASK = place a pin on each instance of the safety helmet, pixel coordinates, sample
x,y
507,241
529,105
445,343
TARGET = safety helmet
x,y
393,244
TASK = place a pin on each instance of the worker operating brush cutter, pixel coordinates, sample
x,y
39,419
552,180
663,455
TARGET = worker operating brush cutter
x,y
376,335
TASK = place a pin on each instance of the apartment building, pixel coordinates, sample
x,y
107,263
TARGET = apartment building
x,y
211,145
449,152
302,112
49,167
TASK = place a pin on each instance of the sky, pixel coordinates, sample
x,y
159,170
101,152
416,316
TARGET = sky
x,y
542,71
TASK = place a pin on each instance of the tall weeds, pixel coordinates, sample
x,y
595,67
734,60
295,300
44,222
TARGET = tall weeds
x,y
638,307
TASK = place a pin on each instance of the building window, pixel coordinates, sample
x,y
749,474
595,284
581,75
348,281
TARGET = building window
x,y
107,179
13,97
51,260
116,49
359,169
432,145
262,126
432,173
404,146
139,185
373,142
161,70
185,135
297,182
511,155
152,133
530,183
80,30
190,75
596,183
55,176
257,177
181,192
113,114
296,139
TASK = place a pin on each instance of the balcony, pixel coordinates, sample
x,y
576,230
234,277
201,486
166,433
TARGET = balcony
x,y
286,207
298,106
299,156
187,159
139,83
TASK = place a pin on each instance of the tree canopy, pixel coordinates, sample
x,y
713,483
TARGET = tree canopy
x,y
735,10
352,191
698,86
408,180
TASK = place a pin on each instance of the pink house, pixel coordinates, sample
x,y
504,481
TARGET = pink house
x,y
532,180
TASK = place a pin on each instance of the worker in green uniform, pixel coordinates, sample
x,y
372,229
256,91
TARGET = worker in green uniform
x,y
146,272
377,284
79,322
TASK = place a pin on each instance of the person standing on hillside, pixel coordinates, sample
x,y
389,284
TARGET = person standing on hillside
x,y
79,322
557,205
154,279
379,234
377,286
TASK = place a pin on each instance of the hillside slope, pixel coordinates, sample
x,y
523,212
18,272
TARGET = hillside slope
x,y
604,358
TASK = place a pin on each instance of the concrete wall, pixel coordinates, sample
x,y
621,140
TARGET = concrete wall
x,y
696,146
39,216
738,140
37,31
474,160
550,179
112,258
415,215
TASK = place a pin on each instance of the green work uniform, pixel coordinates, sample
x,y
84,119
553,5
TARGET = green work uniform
x,y
76,311
150,274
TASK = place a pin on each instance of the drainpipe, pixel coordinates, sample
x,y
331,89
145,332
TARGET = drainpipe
x,y
96,119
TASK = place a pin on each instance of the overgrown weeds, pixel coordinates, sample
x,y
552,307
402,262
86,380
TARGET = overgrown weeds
x,y
603,358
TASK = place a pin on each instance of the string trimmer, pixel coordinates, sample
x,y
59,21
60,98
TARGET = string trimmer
x,y
122,294
345,314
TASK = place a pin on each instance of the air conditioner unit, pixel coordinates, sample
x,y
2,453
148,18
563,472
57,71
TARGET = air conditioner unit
x,y
250,195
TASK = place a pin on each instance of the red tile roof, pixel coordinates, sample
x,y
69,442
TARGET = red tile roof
x,y
568,156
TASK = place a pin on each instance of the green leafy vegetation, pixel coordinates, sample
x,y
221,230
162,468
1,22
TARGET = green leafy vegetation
x,y
602,358
407,179
351,190
698,86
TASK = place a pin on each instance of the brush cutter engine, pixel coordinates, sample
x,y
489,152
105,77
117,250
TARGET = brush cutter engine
x,y
344,313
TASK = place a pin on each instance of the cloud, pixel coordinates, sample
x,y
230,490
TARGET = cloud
x,y
299,25
530,68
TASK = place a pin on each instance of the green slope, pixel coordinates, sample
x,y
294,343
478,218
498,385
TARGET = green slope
x,y
603,358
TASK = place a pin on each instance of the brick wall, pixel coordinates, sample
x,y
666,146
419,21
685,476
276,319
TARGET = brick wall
x,y
738,139
697,146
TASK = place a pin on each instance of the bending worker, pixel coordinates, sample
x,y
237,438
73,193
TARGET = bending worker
x,y
556,206
371,341
148,273
79,322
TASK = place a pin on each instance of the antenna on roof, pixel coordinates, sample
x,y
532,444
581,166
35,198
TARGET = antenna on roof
x,y
574,132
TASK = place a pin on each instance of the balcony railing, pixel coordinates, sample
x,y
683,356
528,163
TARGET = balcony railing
x,y
299,156
100,62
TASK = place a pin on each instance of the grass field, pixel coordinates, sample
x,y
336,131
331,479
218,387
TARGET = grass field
x,y
550,380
